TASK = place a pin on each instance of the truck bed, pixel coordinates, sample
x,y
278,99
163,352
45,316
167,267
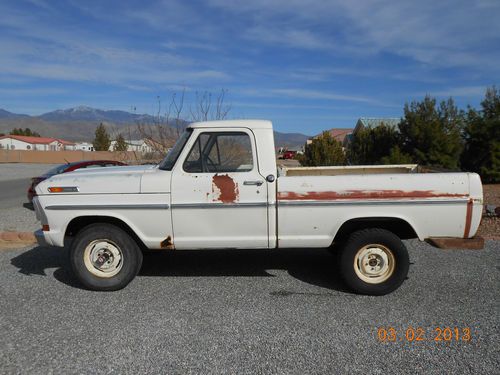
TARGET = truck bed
x,y
348,170
312,209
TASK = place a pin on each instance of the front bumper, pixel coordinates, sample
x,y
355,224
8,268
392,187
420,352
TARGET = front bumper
x,y
40,238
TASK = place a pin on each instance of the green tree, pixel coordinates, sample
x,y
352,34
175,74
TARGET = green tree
x,y
396,156
120,144
370,145
431,135
482,138
323,150
26,132
101,140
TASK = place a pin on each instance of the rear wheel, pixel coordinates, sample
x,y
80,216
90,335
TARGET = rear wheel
x,y
104,257
374,261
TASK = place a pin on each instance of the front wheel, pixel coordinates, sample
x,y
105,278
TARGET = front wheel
x,y
374,261
104,257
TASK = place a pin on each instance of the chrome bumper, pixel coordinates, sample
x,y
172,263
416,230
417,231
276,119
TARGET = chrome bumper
x,y
40,238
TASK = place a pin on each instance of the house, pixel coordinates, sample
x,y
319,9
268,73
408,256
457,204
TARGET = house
x,y
138,145
84,146
371,122
22,142
294,149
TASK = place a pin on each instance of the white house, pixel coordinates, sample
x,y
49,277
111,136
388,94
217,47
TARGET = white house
x,y
84,146
22,142
137,145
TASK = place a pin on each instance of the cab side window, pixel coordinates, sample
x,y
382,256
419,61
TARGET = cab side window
x,y
220,152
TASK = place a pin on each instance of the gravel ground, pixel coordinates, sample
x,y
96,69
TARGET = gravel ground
x,y
14,183
490,226
492,194
247,312
20,219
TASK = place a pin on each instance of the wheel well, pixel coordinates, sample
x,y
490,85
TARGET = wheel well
x,y
399,227
78,223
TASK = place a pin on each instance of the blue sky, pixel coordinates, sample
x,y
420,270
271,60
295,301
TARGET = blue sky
x,y
307,65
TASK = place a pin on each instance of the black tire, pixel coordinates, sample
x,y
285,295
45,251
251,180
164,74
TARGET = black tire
x,y
128,259
357,258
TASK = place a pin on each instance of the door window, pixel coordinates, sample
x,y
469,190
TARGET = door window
x,y
220,152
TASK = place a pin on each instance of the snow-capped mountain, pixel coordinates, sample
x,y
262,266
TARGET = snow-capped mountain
x,y
79,123
84,113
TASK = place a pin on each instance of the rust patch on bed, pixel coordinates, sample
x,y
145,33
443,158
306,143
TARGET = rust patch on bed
x,y
468,218
226,188
366,194
167,243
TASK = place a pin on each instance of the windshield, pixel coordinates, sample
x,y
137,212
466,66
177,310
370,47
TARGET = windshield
x,y
168,163
56,170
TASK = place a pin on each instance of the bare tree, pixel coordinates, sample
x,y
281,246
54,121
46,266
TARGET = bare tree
x,y
203,109
162,132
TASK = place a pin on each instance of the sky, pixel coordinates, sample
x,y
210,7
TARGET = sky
x,y
307,65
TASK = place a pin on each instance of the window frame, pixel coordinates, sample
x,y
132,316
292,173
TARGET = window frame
x,y
211,134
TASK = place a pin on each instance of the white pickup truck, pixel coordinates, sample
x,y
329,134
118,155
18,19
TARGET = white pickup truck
x,y
219,188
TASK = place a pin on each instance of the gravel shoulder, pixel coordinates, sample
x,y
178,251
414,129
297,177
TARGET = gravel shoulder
x,y
14,183
490,226
247,312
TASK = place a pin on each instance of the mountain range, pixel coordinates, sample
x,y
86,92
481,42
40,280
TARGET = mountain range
x,y
79,123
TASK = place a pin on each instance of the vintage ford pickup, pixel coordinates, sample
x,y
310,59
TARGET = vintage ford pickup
x,y
219,188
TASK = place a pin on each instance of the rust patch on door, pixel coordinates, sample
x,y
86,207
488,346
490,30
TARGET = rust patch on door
x,y
167,243
365,194
226,188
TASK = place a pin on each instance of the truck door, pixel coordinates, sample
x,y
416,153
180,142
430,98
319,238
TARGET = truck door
x,y
218,197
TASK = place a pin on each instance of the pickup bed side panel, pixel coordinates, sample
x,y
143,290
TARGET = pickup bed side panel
x,y
312,209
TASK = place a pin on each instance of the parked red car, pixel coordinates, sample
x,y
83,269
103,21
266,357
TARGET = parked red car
x,y
69,167
289,155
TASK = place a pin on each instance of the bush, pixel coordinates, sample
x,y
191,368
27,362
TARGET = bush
x,y
324,150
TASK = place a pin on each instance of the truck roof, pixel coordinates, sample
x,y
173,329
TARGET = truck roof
x,y
252,124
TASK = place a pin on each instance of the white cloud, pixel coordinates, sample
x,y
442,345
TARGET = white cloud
x,y
464,91
446,33
288,37
309,94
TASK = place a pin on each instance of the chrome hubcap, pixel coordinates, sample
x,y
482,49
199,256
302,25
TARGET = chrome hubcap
x,y
374,263
103,258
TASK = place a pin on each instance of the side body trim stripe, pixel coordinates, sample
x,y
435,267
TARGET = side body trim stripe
x,y
251,204
219,205
109,207
371,203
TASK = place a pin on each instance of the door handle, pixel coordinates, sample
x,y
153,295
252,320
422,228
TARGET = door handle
x,y
258,183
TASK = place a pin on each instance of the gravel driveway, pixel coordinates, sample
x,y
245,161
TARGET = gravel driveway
x,y
14,182
248,312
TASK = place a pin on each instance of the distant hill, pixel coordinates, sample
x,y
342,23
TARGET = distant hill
x,y
290,139
83,113
6,114
79,124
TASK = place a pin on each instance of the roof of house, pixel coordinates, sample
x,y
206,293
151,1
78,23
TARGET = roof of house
x,y
340,134
36,140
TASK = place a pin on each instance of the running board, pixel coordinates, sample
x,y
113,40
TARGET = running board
x,y
474,243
